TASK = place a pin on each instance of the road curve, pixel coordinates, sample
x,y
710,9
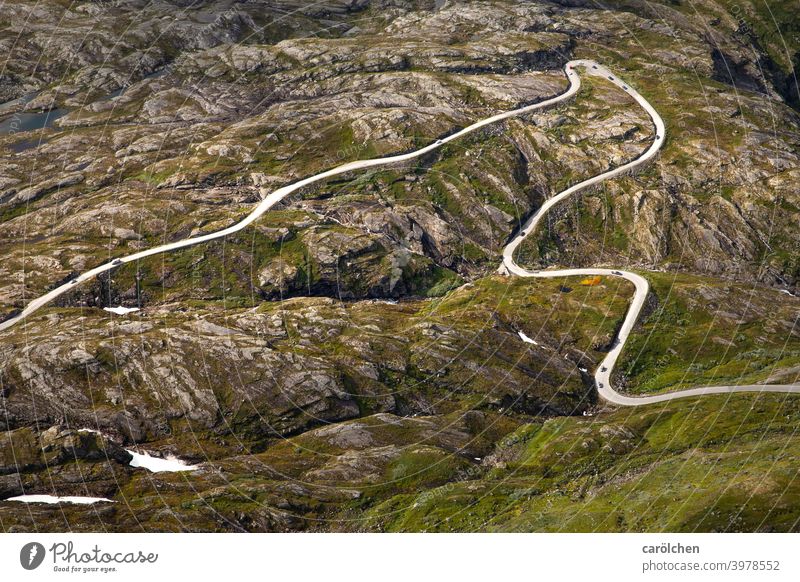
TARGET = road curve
x,y
273,198
602,376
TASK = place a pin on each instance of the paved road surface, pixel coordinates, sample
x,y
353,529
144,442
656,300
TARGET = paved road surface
x,y
603,375
509,266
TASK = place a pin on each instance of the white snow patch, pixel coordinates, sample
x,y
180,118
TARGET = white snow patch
x,y
159,465
526,339
789,293
154,464
97,432
121,310
91,430
51,499
582,369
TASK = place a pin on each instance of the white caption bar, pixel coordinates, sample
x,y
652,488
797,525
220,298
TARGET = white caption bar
x,y
380,557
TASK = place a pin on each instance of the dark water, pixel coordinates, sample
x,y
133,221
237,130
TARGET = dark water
x,y
18,122
113,94
21,122
9,105
24,122
27,144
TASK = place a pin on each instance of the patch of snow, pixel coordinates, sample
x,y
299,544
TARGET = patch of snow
x,y
51,499
789,293
154,464
582,369
90,430
121,310
95,431
526,339
159,465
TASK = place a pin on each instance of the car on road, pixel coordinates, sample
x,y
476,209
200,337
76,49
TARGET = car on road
x,y
616,273
74,282
116,262
604,369
600,385
610,78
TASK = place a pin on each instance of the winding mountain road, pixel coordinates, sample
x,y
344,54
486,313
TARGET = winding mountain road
x,y
509,266
603,374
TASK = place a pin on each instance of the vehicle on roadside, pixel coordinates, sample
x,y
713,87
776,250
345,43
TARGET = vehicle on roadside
x,y
116,262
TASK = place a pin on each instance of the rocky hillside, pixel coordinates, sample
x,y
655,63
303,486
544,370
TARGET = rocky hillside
x,y
351,361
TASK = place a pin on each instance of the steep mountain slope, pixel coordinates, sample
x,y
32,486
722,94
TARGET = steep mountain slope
x,y
352,361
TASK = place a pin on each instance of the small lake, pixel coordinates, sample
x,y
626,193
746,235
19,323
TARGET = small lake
x,y
26,144
18,122
21,122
